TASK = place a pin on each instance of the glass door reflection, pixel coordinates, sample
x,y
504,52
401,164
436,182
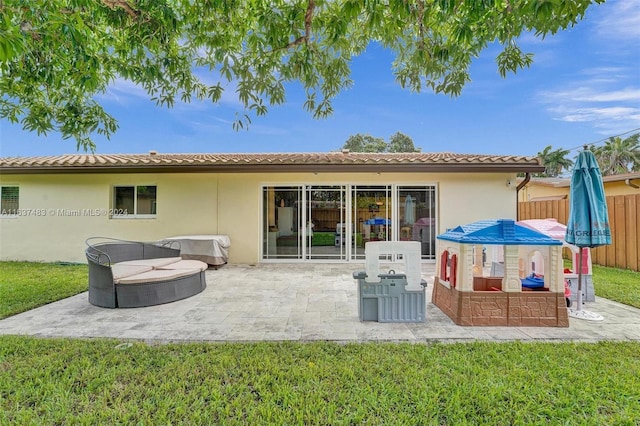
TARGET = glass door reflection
x,y
371,217
326,216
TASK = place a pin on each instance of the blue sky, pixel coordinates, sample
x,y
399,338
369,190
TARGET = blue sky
x,y
584,86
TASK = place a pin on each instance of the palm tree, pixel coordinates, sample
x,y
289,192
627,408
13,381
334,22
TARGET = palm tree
x,y
619,156
554,162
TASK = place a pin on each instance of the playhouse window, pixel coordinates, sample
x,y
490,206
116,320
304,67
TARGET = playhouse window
x,y
139,201
537,263
448,267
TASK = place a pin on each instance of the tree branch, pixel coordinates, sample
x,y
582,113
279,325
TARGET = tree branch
x,y
308,18
122,4
421,28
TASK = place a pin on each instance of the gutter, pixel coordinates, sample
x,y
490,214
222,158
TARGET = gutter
x,y
631,184
527,178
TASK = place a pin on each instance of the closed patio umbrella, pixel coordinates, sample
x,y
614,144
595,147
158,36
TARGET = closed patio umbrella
x,y
588,224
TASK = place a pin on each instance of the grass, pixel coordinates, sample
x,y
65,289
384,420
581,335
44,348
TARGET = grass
x,y
621,285
103,381
323,239
27,285
61,381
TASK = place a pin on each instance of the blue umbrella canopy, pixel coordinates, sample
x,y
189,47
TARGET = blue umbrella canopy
x,y
588,216
588,224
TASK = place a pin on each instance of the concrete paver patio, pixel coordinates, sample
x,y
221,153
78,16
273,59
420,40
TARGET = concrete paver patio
x,y
301,302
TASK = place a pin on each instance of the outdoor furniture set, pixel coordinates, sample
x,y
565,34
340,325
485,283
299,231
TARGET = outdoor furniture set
x,y
128,274
211,249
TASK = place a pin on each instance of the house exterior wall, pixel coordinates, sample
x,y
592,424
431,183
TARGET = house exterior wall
x,y
620,188
532,190
65,213
206,203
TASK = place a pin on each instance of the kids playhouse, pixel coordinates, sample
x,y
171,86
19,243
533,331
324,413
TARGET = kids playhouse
x,y
554,229
469,295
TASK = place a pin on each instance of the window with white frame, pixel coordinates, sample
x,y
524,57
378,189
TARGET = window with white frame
x,y
10,200
139,201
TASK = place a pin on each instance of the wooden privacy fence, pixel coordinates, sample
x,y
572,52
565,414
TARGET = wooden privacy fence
x,y
624,219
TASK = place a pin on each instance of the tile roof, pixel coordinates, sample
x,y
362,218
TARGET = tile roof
x,y
276,162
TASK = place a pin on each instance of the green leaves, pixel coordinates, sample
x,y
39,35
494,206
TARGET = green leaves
x,y
511,59
399,142
554,161
619,156
57,55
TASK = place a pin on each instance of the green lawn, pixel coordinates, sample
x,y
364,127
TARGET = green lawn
x,y
27,285
621,285
102,381
62,381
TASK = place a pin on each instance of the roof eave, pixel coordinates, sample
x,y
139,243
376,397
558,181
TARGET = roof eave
x,y
280,168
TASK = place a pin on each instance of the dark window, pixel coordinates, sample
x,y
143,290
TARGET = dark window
x,y
10,196
134,200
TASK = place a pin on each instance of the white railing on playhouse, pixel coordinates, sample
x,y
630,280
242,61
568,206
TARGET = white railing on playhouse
x,y
410,252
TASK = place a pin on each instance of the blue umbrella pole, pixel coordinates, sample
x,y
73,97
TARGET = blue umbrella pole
x,y
579,295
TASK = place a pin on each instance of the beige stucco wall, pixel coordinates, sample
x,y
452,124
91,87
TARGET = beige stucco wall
x,y
186,204
621,188
206,203
532,191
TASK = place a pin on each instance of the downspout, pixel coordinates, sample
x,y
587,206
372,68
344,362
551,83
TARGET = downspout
x,y
527,178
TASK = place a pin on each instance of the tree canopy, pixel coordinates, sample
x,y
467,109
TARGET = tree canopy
x,y
56,55
616,156
399,142
619,156
554,161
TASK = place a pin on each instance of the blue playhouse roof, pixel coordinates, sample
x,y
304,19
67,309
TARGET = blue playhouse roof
x,y
501,231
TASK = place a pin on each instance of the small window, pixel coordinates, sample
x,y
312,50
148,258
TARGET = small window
x,y
10,196
134,201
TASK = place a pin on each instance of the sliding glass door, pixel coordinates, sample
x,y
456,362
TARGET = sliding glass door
x,y
334,222
326,222
416,208
293,232
281,222
370,218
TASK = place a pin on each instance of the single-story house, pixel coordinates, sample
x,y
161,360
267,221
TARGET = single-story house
x,y
543,189
278,207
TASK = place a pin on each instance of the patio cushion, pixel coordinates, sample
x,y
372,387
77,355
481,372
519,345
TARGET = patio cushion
x,y
154,263
157,275
186,264
121,270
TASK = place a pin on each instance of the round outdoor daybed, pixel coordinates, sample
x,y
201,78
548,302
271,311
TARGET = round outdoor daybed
x,y
130,274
